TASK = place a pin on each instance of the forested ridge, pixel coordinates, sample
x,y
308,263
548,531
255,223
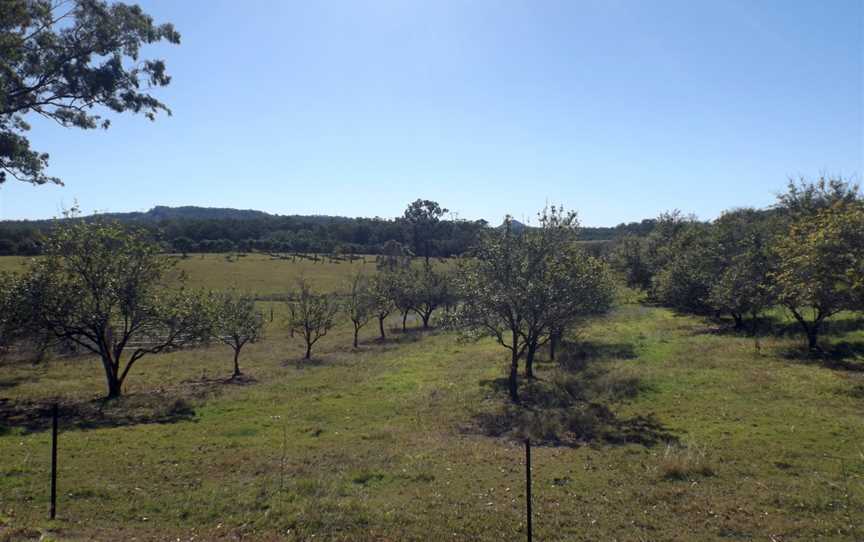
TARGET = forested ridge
x,y
205,229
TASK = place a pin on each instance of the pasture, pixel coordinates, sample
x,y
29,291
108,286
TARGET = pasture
x,y
654,427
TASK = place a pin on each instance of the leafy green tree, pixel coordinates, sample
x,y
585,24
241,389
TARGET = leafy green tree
x,y
381,299
684,281
359,302
820,261
430,290
59,60
522,288
184,245
742,284
628,258
311,314
422,218
13,313
99,286
658,245
403,292
394,257
236,322
567,284
491,283
805,198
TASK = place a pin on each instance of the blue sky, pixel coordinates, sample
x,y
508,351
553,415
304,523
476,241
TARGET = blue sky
x,y
618,109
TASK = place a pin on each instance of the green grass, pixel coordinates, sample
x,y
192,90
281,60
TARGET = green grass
x,y
700,437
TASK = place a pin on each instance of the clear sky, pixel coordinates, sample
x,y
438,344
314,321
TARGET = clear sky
x,y
618,109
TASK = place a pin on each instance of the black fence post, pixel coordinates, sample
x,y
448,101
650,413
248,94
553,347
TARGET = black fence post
x,y
528,485
53,512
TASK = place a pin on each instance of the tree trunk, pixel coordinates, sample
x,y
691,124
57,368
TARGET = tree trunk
x,y
381,327
739,321
308,351
811,330
236,364
404,320
553,343
425,317
114,383
813,337
114,388
529,359
512,382
356,331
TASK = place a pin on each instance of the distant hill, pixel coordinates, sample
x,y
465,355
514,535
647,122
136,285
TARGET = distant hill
x,y
190,212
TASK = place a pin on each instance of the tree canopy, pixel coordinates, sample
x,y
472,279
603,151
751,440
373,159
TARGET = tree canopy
x,y
63,59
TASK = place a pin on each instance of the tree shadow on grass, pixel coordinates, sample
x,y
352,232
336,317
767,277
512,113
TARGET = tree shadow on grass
x,y
11,382
773,326
842,356
36,416
571,404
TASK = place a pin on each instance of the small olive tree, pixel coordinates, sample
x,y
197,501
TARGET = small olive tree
x,y
359,302
523,288
381,298
100,286
403,292
236,322
311,314
430,290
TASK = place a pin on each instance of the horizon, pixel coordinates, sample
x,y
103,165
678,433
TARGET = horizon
x,y
618,111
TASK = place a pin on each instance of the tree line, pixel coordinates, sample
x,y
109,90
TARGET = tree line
x,y
805,253
259,232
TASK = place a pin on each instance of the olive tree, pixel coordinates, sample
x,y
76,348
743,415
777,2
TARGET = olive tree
x,y
566,284
430,290
311,314
236,322
359,303
403,292
422,218
820,261
60,60
523,288
381,300
741,285
100,286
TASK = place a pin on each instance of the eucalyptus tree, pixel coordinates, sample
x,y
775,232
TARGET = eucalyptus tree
x,y
422,218
60,60
311,314
236,322
100,286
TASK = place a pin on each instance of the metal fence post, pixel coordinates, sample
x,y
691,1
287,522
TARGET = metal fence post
x,y
53,512
528,485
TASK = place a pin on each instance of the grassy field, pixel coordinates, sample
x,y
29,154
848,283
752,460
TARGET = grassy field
x,y
654,427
